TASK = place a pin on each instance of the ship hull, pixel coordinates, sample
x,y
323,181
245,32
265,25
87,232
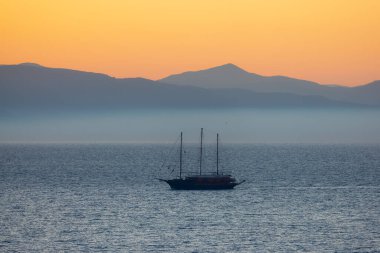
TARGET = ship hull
x,y
183,184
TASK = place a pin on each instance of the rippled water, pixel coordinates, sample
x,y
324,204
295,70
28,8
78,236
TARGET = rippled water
x,y
89,198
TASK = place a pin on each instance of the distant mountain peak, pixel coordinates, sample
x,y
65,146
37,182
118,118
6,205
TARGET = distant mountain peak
x,y
31,64
223,76
229,67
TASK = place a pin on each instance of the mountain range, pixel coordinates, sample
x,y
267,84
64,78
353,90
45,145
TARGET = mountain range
x,y
231,76
30,86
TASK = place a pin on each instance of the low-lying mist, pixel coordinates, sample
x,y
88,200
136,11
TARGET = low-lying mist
x,y
163,126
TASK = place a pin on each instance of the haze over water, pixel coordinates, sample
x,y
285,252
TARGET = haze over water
x,y
237,126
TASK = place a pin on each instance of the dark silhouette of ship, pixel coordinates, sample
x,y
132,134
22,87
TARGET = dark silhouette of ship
x,y
213,181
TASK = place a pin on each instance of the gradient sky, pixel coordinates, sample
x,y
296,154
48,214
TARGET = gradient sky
x,y
328,41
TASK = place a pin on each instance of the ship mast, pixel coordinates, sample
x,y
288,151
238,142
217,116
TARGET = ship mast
x,y
200,159
217,154
180,159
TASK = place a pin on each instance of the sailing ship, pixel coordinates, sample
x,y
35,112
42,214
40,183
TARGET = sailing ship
x,y
212,181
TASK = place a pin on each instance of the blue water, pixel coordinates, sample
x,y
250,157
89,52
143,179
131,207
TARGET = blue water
x,y
105,197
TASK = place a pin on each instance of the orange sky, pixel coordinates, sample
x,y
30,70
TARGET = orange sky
x,y
328,41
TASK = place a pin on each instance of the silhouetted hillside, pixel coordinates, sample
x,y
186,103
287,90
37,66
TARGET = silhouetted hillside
x,y
231,76
27,87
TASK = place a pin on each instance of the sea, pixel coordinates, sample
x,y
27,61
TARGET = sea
x,y
103,197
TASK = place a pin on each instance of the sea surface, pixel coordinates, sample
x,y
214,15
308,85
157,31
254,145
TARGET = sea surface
x,y
106,198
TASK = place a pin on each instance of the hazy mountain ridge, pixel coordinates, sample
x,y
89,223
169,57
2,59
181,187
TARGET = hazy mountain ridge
x,y
231,76
34,87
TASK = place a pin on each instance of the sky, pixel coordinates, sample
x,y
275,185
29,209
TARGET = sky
x,y
327,41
